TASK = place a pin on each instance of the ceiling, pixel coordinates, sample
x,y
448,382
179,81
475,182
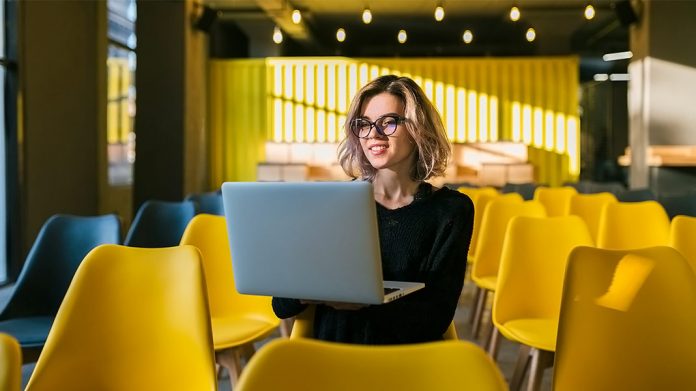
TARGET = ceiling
x,y
560,27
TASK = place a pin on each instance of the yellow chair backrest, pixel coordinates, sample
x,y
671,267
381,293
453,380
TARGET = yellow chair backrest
x,y
132,319
209,234
303,327
495,221
556,200
627,321
682,237
589,207
532,265
628,225
312,365
10,363
482,202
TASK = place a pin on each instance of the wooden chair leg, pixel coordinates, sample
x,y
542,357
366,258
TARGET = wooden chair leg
x,y
541,359
286,327
493,343
520,368
230,359
478,315
472,314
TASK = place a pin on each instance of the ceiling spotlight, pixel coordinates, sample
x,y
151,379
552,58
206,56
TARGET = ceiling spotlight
x,y
514,14
439,13
367,16
600,77
296,16
277,35
468,36
589,12
340,35
402,36
531,34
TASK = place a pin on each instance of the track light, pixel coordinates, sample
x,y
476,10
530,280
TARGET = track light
x,y
515,14
277,35
402,36
589,12
439,13
296,16
340,35
531,34
367,16
467,37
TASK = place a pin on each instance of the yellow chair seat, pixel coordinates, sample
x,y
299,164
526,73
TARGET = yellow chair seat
x,y
486,282
230,331
538,333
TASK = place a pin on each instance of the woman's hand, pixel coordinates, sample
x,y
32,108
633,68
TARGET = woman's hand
x,y
337,305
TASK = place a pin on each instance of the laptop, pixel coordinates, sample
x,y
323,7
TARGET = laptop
x,y
308,240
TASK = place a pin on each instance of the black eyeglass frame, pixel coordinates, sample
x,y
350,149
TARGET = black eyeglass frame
x,y
381,131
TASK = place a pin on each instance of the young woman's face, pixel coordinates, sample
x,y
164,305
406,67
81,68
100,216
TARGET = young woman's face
x,y
396,151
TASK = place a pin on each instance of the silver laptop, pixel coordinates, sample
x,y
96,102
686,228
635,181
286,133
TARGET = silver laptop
x,y
308,240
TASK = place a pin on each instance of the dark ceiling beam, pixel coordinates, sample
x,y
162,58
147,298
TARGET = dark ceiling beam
x,y
280,12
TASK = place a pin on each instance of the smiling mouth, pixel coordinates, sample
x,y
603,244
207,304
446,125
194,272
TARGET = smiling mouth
x,y
377,148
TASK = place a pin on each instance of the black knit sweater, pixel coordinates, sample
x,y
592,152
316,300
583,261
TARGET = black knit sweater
x,y
426,241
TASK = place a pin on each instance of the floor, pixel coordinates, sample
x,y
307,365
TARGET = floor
x,y
506,357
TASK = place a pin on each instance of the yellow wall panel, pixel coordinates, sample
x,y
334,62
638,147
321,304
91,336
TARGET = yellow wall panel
x,y
531,100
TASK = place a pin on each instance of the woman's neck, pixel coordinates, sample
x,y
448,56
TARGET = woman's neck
x,y
394,191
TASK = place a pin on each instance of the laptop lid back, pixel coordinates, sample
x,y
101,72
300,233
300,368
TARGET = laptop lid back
x,y
306,240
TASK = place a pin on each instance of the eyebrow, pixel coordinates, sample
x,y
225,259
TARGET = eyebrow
x,y
383,115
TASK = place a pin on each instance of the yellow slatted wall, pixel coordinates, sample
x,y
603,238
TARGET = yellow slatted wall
x,y
529,100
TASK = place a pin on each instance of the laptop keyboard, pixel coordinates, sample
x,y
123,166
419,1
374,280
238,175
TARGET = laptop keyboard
x,y
390,290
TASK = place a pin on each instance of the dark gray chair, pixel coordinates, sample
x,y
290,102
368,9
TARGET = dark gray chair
x,y
58,250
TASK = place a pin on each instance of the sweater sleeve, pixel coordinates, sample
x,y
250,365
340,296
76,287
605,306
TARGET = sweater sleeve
x,y
287,308
426,314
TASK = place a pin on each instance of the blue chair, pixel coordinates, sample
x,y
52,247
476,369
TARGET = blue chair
x,y
210,203
526,190
591,187
636,195
58,250
682,204
159,224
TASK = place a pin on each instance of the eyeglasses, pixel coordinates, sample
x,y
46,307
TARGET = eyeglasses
x,y
385,125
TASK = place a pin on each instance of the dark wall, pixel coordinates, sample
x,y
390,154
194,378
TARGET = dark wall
x,y
62,78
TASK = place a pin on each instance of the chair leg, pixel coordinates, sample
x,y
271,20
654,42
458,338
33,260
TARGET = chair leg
x,y
478,315
520,368
492,344
286,327
472,314
541,359
230,359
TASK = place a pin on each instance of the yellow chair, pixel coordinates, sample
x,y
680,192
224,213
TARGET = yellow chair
x,y
311,365
132,319
482,202
487,260
556,200
589,207
238,320
627,321
479,196
629,225
303,327
682,236
10,363
530,282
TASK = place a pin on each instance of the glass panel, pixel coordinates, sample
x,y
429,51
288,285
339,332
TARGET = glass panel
x,y
120,115
120,111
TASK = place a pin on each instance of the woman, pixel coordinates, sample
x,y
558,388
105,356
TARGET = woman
x,y
395,139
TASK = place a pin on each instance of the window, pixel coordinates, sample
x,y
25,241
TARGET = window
x,y
120,114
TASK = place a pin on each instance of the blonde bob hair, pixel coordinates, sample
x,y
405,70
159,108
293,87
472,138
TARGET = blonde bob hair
x,y
422,122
